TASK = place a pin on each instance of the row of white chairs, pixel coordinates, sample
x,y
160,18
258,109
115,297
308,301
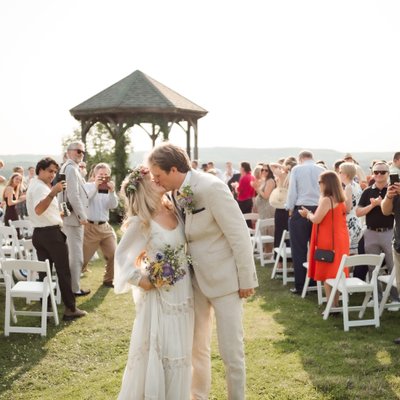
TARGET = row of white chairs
x,y
19,269
343,285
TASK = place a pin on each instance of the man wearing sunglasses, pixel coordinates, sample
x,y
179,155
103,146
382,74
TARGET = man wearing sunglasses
x,y
76,198
379,233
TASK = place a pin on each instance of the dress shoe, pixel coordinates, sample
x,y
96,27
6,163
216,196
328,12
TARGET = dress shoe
x,y
82,292
397,340
295,291
108,284
70,315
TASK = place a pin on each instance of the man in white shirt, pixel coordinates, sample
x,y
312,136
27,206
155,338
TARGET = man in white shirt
x,y
48,239
98,232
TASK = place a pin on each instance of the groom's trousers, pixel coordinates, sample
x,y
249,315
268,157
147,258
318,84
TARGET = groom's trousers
x,y
228,311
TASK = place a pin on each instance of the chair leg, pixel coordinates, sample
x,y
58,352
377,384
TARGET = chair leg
x,y
386,293
284,269
43,325
364,304
305,287
345,308
376,307
319,292
275,264
329,303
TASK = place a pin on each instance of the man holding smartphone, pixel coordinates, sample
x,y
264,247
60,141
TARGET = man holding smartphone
x,y
391,205
98,232
48,239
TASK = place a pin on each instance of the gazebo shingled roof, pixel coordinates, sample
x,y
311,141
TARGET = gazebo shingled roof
x,y
138,99
138,93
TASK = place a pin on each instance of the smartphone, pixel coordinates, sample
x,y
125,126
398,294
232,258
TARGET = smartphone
x,y
103,188
394,178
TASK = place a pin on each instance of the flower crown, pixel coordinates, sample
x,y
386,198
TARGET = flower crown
x,y
134,178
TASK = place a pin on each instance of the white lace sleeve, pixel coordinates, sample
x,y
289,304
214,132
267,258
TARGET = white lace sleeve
x,y
131,245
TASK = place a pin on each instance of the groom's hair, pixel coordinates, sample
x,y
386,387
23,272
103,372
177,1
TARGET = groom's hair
x,y
168,155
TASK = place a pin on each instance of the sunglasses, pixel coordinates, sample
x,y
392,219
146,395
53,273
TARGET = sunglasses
x,y
380,172
264,170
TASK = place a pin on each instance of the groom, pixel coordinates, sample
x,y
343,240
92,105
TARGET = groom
x,y
224,270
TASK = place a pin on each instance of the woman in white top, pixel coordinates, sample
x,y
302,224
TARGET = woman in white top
x,y
347,172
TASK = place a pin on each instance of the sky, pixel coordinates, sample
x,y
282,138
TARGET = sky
x,y
282,73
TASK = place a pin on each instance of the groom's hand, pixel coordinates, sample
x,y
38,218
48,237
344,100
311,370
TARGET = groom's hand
x,y
244,293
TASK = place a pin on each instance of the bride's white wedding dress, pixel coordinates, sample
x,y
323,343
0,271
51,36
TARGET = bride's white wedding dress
x,y
159,360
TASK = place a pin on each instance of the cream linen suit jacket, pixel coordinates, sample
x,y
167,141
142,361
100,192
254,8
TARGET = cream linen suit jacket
x,y
218,238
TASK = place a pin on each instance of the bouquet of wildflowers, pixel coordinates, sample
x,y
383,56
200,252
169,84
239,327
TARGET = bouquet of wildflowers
x,y
168,266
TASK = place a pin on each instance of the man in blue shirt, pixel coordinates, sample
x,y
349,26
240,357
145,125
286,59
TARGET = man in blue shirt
x,y
303,191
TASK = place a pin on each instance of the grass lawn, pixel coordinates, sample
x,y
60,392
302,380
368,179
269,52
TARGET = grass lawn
x,y
291,352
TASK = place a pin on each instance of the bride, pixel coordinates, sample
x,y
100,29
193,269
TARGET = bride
x,y
159,359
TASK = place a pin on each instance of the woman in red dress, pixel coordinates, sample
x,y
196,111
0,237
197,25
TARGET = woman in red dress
x,y
329,217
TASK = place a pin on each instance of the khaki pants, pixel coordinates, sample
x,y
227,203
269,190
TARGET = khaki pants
x,y
103,237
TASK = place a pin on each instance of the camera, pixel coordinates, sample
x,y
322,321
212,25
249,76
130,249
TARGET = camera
x,y
61,177
394,178
65,209
103,188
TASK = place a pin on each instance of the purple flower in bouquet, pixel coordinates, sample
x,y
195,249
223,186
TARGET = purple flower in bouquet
x,y
168,266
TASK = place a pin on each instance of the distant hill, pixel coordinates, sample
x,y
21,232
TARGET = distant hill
x,y
219,155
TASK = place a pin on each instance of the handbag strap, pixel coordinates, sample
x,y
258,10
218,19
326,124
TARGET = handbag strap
x,y
333,235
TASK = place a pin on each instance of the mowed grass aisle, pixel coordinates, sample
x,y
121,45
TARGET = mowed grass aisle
x,y
291,352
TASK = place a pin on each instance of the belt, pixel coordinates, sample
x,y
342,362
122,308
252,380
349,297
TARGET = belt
x,y
297,207
379,229
96,222
46,228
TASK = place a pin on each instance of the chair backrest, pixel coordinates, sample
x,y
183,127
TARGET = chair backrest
x,y
24,225
29,249
9,242
375,260
262,224
251,217
8,266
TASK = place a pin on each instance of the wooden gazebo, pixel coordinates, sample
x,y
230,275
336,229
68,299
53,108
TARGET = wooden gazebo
x,y
140,100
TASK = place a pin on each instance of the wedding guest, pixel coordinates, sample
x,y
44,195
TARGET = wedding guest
x,y
395,167
229,172
352,190
278,197
159,359
303,191
361,177
329,230
245,191
12,196
2,178
98,233
218,241
48,239
76,198
391,206
379,233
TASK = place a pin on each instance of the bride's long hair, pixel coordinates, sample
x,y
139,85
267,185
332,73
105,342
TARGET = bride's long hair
x,y
140,198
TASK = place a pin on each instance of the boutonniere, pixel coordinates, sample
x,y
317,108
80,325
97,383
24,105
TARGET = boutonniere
x,y
185,199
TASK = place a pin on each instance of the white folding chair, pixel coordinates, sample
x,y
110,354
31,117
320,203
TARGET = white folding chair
x,y
345,286
253,217
260,239
33,290
389,281
30,254
25,227
12,248
308,288
283,252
